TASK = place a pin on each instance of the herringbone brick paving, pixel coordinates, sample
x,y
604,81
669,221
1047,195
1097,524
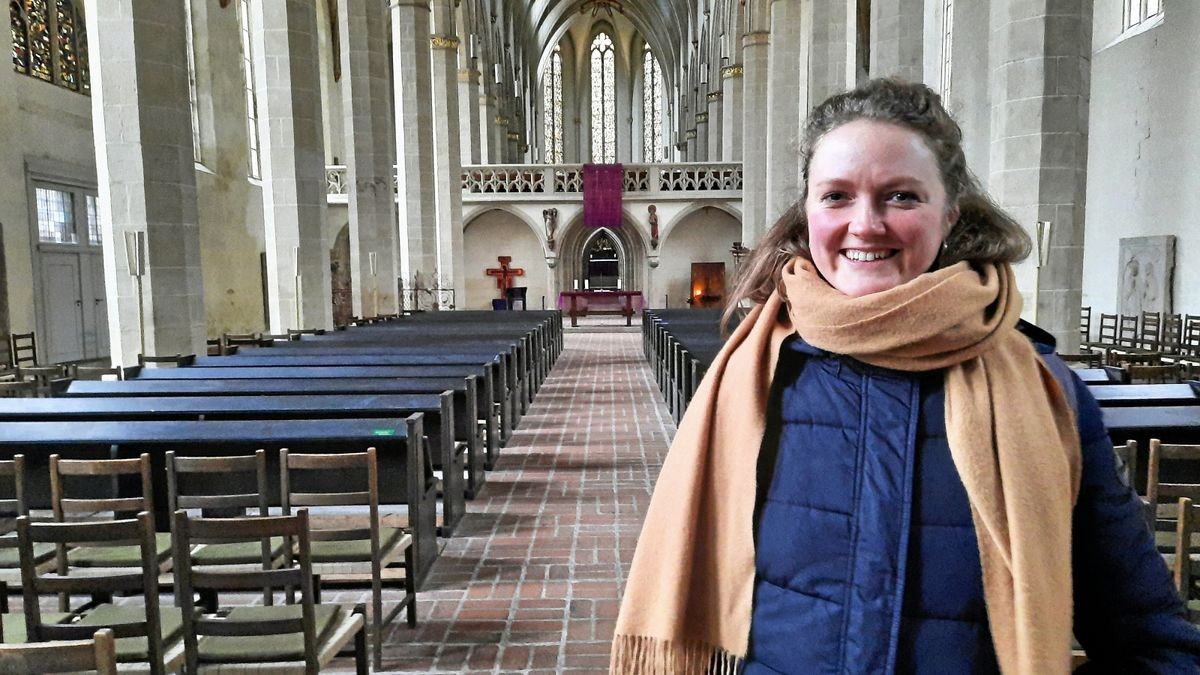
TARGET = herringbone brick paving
x,y
531,581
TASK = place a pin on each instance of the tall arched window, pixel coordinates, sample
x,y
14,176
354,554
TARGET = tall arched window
x,y
255,158
552,104
49,42
604,104
652,105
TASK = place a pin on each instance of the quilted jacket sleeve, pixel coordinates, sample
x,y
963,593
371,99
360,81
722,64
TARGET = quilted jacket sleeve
x,y
1128,617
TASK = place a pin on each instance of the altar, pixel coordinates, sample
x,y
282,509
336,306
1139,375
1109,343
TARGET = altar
x,y
582,303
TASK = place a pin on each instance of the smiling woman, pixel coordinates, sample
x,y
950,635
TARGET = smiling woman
x,y
884,469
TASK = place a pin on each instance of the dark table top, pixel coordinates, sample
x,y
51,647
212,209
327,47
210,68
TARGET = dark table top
x,y
1145,395
270,358
225,407
307,372
429,385
145,433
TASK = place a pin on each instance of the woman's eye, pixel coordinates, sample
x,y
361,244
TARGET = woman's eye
x,y
902,196
834,197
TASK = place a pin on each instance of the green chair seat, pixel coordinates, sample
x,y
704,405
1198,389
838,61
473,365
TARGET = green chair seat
x,y
118,556
135,648
266,648
239,553
11,559
358,550
14,626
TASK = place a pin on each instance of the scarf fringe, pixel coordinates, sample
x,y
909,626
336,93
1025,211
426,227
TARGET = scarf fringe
x,y
642,655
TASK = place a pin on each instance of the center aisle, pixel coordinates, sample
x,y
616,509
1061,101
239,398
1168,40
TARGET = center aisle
x,y
531,580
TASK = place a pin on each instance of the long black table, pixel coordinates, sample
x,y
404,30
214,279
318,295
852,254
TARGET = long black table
x,y
437,412
469,406
1146,395
398,443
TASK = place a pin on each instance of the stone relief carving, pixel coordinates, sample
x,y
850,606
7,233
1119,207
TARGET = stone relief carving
x,y
1146,275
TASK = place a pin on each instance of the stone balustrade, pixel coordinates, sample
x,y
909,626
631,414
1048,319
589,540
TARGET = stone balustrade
x,y
564,182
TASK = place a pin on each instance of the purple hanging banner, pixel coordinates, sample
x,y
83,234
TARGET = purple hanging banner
x,y
602,187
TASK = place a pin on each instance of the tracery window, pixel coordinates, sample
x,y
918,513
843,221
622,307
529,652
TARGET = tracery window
x,y
552,105
1138,12
652,105
193,89
49,42
255,157
604,91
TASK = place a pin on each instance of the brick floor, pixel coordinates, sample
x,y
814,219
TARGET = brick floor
x,y
531,581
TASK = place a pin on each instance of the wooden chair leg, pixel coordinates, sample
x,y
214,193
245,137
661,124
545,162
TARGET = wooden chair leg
x,y
410,589
360,645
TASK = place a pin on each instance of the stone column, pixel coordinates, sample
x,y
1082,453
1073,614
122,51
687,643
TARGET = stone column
x,y
787,103
447,162
755,57
372,241
831,65
468,125
702,134
487,122
141,121
293,164
731,116
715,126
414,141
1040,58
897,29
387,235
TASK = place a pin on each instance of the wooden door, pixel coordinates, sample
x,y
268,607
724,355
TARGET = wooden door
x,y
95,306
62,304
708,284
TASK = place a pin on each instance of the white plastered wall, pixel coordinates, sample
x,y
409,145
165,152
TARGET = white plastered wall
x,y
500,233
1143,149
705,235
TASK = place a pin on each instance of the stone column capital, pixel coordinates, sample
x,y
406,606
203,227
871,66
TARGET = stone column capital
x,y
702,118
443,41
732,71
501,121
468,75
757,38
690,134
714,96
415,4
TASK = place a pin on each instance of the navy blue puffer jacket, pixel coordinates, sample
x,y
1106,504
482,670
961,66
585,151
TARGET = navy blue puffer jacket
x,y
866,556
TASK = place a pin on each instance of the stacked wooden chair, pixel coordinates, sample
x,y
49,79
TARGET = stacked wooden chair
x,y
98,654
1171,510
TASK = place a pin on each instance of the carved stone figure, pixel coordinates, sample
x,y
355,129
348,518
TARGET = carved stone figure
x,y
551,218
653,226
1146,274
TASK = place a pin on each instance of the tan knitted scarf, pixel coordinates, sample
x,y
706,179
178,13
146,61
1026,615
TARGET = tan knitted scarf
x,y
1012,436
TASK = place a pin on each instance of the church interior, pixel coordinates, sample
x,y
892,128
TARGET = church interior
x,y
490,240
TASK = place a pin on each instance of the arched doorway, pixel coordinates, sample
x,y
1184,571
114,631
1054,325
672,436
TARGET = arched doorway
x,y
602,262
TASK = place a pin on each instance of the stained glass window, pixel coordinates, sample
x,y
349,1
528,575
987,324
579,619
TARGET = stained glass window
x,y
20,37
652,105
37,21
93,217
251,98
604,91
50,43
56,216
552,105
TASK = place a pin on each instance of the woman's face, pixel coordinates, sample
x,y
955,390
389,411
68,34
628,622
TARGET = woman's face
x,y
876,207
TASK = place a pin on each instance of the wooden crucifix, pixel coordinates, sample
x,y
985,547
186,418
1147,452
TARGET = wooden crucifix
x,y
504,274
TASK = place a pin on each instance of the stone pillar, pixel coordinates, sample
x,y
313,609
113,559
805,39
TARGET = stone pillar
x,y
387,235
1040,89
755,57
447,162
500,135
468,125
787,103
414,141
715,126
141,121
372,238
831,65
702,134
293,164
897,30
487,123
731,116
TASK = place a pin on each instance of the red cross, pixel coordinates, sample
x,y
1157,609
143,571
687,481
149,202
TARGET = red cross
x,y
504,274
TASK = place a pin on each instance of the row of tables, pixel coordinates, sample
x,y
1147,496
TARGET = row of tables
x,y
431,391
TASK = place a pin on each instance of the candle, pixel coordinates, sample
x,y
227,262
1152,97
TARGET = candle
x,y
585,284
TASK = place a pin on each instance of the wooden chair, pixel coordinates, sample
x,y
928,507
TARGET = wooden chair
x,y
76,371
23,348
10,559
43,377
295,334
1159,374
145,634
1127,331
302,636
223,487
1150,332
1085,325
1085,360
1127,461
64,476
1124,359
1182,560
345,551
98,654
1163,497
1106,336
168,360
18,389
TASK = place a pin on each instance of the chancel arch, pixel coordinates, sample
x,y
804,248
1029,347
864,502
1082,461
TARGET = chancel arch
x,y
704,235
500,232
628,246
